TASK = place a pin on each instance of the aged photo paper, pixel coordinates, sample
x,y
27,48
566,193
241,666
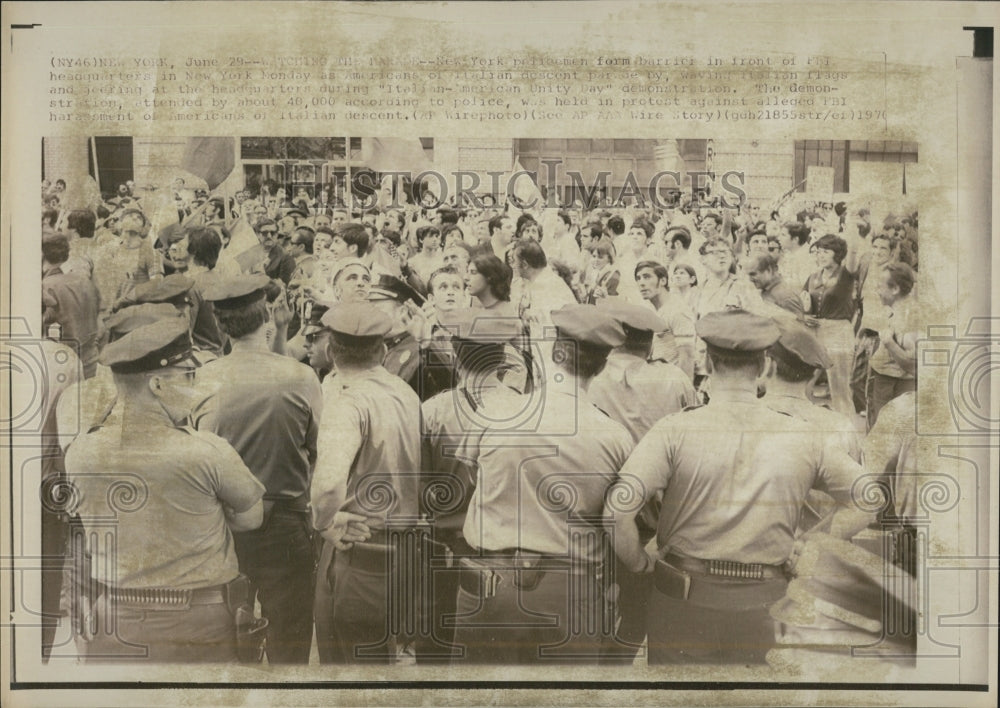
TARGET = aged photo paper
x,y
755,108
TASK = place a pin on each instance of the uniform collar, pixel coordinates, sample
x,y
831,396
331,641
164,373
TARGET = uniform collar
x,y
398,339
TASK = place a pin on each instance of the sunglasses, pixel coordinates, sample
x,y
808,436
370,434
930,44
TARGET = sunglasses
x,y
268,233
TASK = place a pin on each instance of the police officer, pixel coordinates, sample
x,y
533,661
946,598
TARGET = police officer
x,y
169,584
632,389
315,337
393,297
365,487
268,407
734,474
796,360
637,392
478,342
537,590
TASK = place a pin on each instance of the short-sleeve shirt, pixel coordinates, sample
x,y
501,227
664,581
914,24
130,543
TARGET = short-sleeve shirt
x,y
832,301
384,478
735,475
783,296
680,328
164,489
902,324
542,473
638,393
268,407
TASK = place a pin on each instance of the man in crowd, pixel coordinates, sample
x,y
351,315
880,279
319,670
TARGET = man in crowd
x,y
71,301
268,407
675,343
894,364
762,270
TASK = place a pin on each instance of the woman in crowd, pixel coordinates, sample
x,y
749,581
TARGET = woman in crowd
x,y
607,277
832,304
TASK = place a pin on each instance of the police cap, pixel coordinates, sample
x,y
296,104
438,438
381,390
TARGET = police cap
x,y
236,292
476,325
356,323
798,345
633,317
589,325
312,315
150,347
173,289
737,330
131,318
389,287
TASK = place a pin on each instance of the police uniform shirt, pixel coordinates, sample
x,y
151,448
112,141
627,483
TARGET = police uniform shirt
x,y
735,474
555,461
891,449
637,393
402,357
166,488
268,407
837,426
379,412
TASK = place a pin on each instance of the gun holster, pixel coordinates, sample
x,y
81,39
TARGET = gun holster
x,y
251,631
527,575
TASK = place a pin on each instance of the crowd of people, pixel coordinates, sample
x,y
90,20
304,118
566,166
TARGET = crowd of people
x,y
432,432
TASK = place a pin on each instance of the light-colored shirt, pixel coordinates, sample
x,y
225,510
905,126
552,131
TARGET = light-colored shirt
x,y
638,393
735,475
166,488
542,467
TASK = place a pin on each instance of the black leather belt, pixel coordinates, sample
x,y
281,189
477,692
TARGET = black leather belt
x,y
727,569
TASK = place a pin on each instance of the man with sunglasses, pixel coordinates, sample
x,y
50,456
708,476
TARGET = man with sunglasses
x,y
167,587
278,265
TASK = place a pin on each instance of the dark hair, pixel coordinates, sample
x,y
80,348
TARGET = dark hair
x,y
204,245
497,273
55,249
596,231
423,232
478,357
446,231
83,222
798,231
902,276
775,240
356,351
566,218
522,220
830,242
448,216
605,248
680,233
531,254
306,236
265,222
354,234
893,242
659,270
730,360
241,321
496,221
864,228
128,212
789,367
522,225
51,216
644,225
616,225
447,270
767,262
690,271
580,358
389,234
715,241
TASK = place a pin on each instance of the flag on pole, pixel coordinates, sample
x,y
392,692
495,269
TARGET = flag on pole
x,y
394,155
212,159
524,188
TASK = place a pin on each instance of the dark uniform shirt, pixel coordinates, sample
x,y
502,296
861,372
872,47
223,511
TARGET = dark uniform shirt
x,y
73,301
268,406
